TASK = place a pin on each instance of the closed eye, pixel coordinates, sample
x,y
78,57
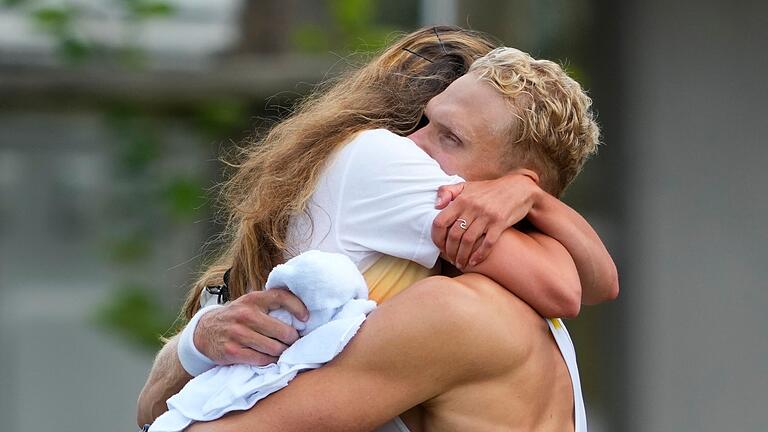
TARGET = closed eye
x,y
450,139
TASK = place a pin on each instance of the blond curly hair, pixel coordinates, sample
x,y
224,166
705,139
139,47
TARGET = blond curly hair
x,y
556,131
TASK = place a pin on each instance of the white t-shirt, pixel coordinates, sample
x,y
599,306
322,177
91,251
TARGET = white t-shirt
x,y
376,197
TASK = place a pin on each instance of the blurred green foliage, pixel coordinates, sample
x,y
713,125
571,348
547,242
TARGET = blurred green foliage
x,y
59,23
152,198
135,314
145,9
129,249
137,142
219,117
353,28
184,198
59,20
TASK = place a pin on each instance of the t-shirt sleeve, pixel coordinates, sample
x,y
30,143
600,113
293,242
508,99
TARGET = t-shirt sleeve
x,y
387,197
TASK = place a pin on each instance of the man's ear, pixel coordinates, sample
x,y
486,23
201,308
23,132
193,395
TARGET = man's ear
x,y
528,173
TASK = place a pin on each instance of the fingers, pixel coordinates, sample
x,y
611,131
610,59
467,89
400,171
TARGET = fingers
x,y
447,193
245,355
284,299
264,325
482,252
442,224
243,332
468,241
260,342
453,240
277,298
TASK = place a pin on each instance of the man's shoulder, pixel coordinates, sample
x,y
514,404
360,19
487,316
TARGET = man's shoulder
x,y
467,319
491,306
499,306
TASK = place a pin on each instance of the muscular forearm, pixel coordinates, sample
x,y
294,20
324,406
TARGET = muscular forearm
x,y
597,271
166,378
537,269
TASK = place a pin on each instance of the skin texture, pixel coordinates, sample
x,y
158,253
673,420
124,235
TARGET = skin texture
x,y
424,347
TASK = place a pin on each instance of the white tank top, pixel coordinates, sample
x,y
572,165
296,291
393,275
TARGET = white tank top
x,y
565,344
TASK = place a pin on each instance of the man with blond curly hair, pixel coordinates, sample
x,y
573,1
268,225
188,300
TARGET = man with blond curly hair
x,y
461,353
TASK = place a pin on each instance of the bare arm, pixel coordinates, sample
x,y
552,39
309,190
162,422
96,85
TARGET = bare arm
x,y
382,372
240,332
597,271
490,208
536,268
165,379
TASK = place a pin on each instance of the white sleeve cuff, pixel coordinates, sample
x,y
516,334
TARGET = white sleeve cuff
x,y
193,361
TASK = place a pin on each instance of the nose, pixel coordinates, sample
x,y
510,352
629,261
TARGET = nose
x,y
415,135
419,137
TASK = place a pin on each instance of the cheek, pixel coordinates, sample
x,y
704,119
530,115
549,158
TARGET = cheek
x,y
447,162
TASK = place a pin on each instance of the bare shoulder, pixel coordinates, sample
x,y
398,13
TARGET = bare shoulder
x,y
467,318
498,306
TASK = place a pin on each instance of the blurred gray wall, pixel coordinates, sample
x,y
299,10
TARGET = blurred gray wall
x,y
696,283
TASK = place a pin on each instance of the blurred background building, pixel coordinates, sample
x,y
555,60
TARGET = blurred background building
x,y
113,115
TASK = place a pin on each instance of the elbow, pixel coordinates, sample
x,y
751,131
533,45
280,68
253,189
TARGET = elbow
x,y
143,415
604,290
611,290
565,297
147,411
571,307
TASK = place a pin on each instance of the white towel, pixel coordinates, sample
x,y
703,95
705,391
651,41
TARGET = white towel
x,y
335,293
324,281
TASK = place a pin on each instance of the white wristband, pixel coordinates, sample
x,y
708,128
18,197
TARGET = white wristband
x,y
193,361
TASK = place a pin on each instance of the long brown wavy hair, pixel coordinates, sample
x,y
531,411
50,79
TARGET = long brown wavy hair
x,y
275,176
